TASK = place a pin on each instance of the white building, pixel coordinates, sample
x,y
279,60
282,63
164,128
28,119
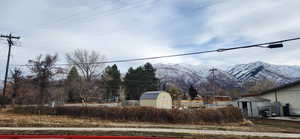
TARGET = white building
x,y
156,99
285,95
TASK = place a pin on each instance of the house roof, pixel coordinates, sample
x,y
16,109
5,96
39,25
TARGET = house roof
x,y
253,99
274,89
150,95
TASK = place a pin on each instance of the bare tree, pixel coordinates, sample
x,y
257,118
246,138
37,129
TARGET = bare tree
x,y
87,62
44,71
90,68
17,78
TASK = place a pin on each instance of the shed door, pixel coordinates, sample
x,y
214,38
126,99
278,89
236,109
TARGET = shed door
x,y
245,108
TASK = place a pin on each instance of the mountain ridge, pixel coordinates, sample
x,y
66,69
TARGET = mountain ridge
x,y
234,77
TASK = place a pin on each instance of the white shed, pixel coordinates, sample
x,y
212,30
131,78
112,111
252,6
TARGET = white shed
x,y
253,106
156,99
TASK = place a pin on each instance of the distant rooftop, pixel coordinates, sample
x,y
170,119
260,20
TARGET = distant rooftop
x,y
150,94
253,99
274,89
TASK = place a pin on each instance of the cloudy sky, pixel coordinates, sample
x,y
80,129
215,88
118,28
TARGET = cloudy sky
x,y
121,29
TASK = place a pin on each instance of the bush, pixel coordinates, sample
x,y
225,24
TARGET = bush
x,y
142,114
4,100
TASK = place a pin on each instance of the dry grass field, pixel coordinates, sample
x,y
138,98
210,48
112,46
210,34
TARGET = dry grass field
x,y
8,119
140,114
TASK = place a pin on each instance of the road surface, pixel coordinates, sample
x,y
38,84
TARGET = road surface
x,y
161,130
295,119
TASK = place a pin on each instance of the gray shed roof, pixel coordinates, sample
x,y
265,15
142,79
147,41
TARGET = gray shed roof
x,y
150,95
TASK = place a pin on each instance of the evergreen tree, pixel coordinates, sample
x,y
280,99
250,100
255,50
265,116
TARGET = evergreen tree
x,y
192,92
73,74
149,73
112,78
139,80
130,86
71,87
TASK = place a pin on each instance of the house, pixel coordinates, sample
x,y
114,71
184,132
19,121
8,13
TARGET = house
x,y
156,99
217,101
253,106
207,101
223,100
191,103
288,96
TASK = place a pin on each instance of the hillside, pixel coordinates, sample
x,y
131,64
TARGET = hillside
x,y
252,72
228,79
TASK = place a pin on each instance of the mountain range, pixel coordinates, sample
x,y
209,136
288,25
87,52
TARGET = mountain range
x,y
236,78
225,79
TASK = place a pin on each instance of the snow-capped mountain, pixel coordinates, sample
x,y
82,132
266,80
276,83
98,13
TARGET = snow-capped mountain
x,y
252,72
201,77
181,74
233,77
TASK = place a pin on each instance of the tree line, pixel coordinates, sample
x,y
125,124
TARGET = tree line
x,y
86,79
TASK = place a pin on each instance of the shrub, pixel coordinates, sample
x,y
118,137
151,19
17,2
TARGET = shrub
x,y
142,114
4,100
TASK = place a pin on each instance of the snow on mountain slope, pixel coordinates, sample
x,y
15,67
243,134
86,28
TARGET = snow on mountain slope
x,y
233,77
252,72
224,80
184,75
180,74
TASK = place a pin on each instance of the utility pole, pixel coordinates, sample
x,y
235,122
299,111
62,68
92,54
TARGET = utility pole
x,y
10,44
214,86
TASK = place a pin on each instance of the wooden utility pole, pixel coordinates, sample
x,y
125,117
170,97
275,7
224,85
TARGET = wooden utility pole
x,y
10,44
214,83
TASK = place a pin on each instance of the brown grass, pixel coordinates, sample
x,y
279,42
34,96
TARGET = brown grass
x,y
20,120
8,119
141,114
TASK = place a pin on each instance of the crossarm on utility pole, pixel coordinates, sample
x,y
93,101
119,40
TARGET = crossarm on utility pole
x,y
10,44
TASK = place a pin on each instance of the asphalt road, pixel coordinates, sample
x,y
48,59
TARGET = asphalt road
x,y
161,130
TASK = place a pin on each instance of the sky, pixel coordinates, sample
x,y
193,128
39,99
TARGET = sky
x,y
122,29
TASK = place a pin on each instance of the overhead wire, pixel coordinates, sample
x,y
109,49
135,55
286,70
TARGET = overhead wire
x,y
182,54
120,9
61,19
99,5
108,12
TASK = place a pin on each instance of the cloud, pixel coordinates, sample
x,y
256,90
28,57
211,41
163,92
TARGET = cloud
x,y
133,29
118,33
236,23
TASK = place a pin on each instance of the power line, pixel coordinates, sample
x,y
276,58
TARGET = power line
x,y
273,44
80,12
143,4
63,19
102,13
120,9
